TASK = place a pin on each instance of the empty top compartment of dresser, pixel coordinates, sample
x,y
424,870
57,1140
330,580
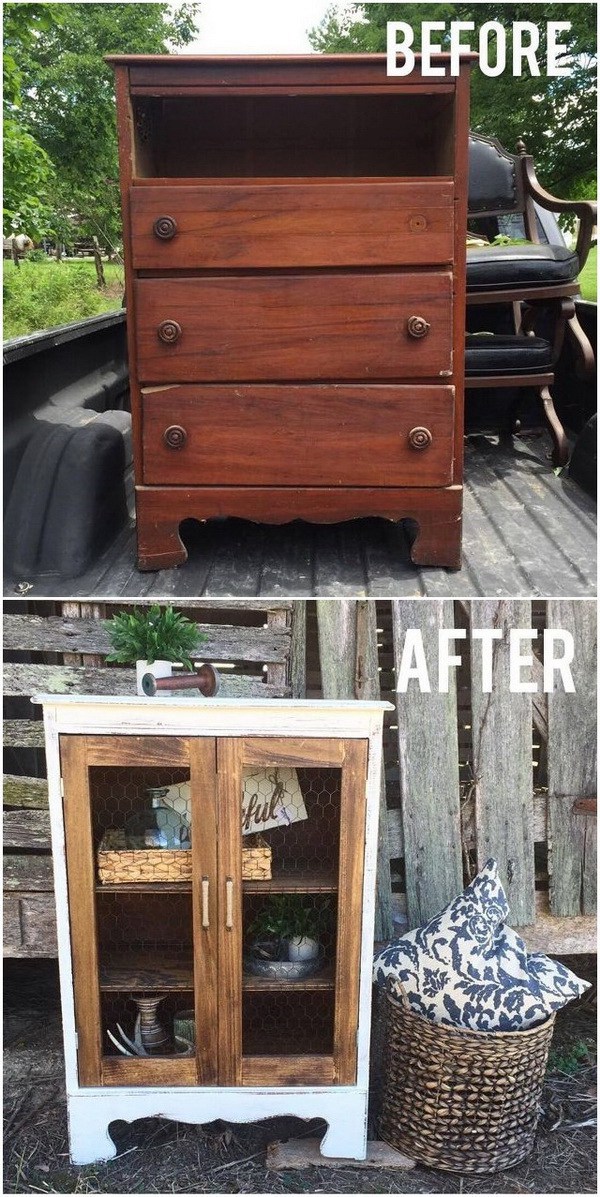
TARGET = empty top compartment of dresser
x,y
302,116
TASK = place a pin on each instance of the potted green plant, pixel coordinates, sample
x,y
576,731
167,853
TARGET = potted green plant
x,y
153,638
283,938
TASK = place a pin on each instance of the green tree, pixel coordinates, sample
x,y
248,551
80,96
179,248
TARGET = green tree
x,y
556,117
28,170
66,100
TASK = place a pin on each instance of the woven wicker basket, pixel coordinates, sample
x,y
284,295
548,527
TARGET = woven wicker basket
x,y
118,864
256,861
460,1100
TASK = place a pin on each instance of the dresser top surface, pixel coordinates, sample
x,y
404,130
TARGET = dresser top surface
x,y
250,60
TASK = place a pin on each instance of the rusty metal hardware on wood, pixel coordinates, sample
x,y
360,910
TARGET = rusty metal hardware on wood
x,y
419,438
175,436
169,331
417,326
205,679
165,228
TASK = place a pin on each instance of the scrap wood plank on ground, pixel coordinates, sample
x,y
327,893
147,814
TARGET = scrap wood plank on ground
x,y
306,1153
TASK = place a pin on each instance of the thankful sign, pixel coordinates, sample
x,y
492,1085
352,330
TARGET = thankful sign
x,y
271,798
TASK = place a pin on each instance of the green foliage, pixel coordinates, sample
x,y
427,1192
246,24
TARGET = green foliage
x,y
153,634
569,1059
64,94
44,292
588,279
555,117
284,916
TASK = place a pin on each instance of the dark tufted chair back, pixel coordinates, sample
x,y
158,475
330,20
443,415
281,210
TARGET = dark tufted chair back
x,y
495,180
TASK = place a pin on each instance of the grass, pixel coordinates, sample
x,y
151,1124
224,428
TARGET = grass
x,y
589,277
44,294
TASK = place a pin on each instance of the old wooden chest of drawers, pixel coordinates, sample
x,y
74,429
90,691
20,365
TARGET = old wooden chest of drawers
x,y
295,246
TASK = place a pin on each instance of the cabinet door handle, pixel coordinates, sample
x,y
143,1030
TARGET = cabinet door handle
x,y
417,326
169,331
175,436
165,228
419,438
229,903
205,914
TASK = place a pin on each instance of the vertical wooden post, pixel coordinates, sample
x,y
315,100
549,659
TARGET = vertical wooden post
x,y
502,735
297,679
428,758
349,669
74,610
572,766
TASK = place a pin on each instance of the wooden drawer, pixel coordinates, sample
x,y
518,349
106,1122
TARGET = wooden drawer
x,y
298,435
292,224
294,326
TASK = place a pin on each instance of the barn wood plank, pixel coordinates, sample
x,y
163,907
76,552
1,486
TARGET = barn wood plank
x,y
347,632
538,825
298,650
28,872
572,861
23,733
429,779
29,925
26,829
502,761
24,679
31,792
36,633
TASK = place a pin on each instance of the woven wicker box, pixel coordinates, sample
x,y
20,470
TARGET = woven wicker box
x,y
256,862
118,864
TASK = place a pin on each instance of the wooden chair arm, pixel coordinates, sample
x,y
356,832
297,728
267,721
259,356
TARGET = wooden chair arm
x,y
586,210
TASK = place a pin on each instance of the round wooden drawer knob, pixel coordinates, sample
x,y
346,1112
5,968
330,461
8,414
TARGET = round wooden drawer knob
x,y
169,331
165,228
175,436
417,326
419,438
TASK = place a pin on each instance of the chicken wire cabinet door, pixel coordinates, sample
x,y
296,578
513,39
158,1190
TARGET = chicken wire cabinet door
x,y
290,909
141,848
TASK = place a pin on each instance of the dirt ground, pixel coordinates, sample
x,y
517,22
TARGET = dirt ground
x,y
156,1156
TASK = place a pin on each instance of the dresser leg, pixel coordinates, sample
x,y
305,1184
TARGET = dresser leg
x,y
89,1140
159,543
438,541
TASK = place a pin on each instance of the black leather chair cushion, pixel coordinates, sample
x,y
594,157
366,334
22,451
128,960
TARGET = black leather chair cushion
x,y
496,354
520,266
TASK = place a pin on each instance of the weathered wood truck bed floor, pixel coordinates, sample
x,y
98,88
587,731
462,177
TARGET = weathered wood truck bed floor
x,y
526,532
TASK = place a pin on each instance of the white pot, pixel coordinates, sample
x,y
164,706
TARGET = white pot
x,y
157,669
300,947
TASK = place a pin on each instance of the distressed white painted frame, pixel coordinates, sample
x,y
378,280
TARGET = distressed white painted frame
x,y
91,1110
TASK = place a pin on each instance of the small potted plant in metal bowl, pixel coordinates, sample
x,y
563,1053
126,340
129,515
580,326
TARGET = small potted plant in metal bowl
x,y
153,639
283,939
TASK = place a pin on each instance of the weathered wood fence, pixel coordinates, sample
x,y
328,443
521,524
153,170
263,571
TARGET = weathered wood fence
x,y
472,775
61,648
467,775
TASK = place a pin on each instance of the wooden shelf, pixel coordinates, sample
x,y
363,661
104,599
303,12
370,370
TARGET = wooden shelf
x,y
139,971
144,887
325,979
295,881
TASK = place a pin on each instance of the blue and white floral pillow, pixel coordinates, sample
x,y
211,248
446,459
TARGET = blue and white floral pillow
x,y
467,968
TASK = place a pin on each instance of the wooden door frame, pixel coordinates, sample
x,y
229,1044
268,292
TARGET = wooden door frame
x,y
351,757
77,754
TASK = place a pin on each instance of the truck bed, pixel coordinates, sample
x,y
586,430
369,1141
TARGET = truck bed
x,y
527,532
